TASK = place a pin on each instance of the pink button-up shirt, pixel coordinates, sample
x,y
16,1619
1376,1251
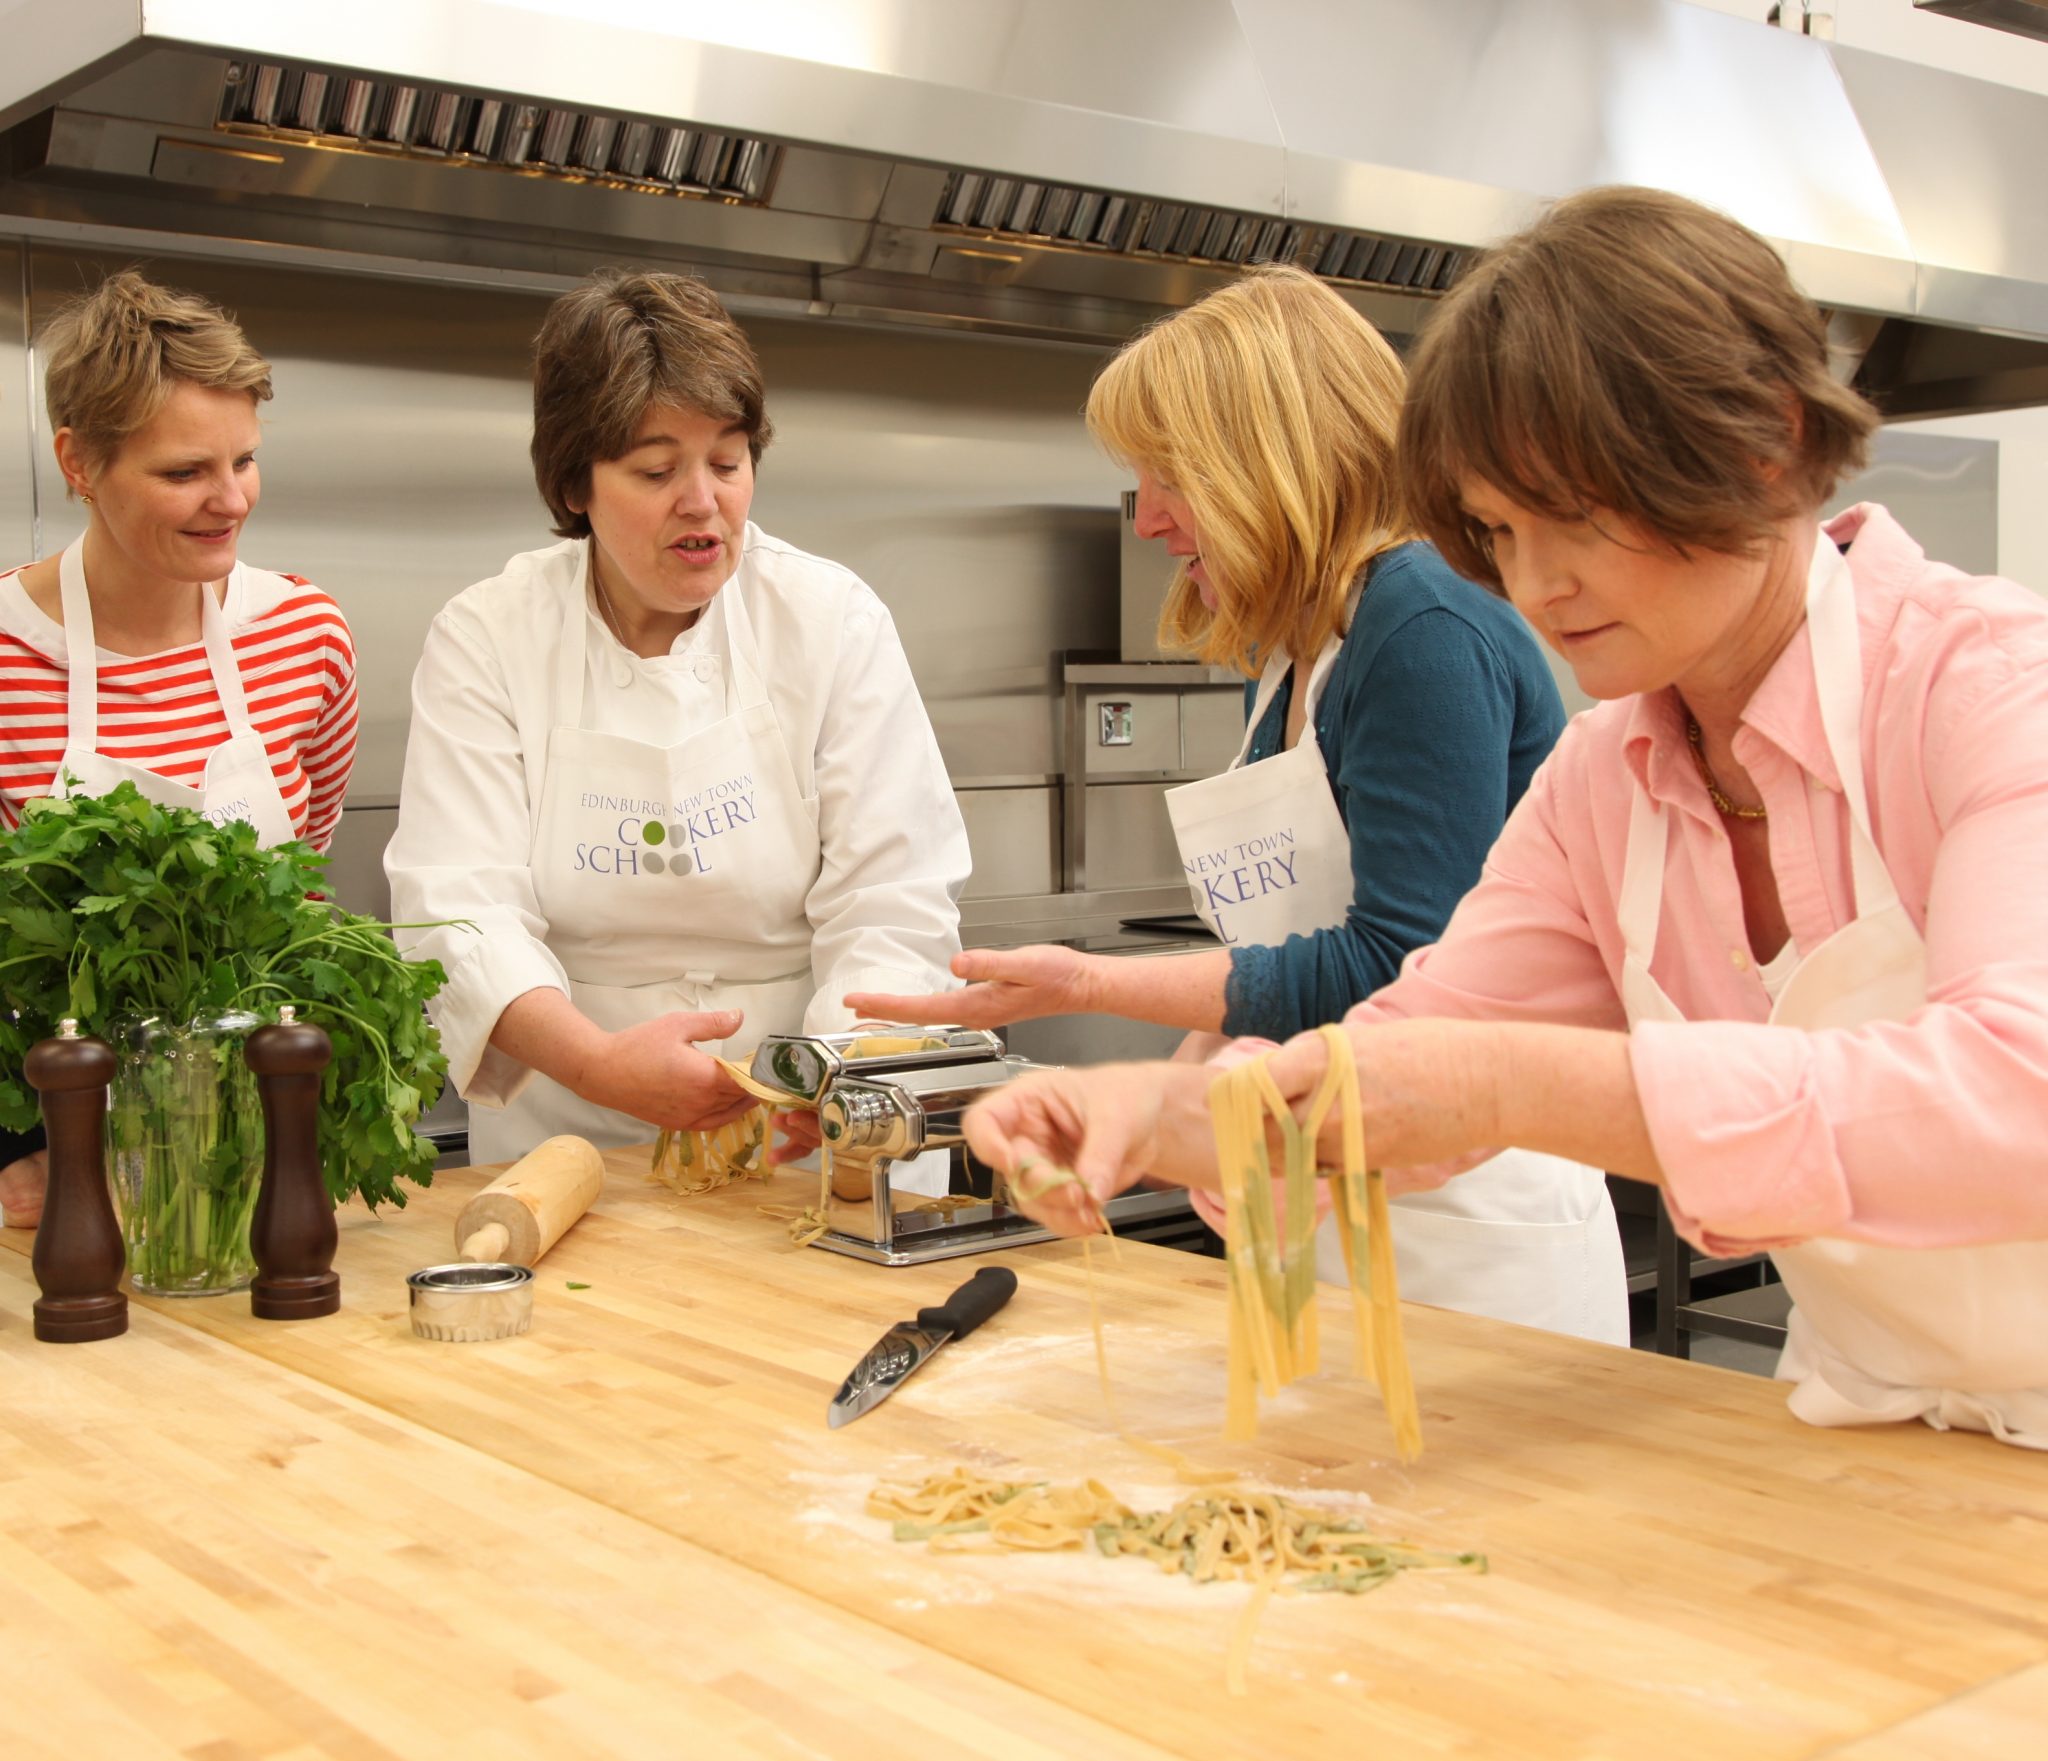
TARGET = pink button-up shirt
x,y
1929,1132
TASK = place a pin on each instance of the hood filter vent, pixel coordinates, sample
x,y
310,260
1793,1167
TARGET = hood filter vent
x,y
1018,209
312,107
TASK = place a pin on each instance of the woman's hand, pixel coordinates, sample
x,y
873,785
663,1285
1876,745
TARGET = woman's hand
x,y
21,1190
655,1073
1110,1126
1004,985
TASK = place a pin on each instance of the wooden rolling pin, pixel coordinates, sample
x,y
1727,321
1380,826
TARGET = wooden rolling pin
x,y
532,1205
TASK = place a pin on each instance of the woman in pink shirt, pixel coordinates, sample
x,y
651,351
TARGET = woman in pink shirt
x,y
1767,930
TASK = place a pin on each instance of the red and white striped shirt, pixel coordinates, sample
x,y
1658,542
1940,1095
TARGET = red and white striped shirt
x,y
162,712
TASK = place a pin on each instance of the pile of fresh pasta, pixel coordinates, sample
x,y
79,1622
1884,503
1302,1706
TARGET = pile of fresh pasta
x,y
1224,1532
1217,1535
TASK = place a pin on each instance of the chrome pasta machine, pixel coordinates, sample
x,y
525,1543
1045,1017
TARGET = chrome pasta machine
x,y
886,1093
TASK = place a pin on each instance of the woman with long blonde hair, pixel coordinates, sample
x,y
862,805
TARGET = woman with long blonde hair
x,y
1396,714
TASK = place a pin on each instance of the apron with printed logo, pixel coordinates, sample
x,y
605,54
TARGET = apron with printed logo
x,y
237,783
1522,1237
1949,1335
671,877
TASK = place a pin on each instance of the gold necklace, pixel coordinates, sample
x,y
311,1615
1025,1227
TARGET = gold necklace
x,y
1722,803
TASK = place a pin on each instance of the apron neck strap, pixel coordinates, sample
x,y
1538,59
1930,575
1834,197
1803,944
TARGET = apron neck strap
x,y
1641,904
81,654
574,651
1311,689
1838,685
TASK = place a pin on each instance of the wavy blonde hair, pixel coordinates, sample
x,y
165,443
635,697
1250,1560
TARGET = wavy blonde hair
x,y
1271,406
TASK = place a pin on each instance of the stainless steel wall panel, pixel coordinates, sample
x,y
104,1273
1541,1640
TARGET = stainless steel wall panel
x,y
1130,840
1014,835
355,860
953,474
1211,727
21,419
1943,489
1149,720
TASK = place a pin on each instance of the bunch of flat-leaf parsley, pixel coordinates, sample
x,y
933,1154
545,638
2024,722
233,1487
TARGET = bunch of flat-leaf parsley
x,y
118,909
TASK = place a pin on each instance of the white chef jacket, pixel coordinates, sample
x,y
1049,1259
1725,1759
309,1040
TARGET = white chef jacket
x,y
881,913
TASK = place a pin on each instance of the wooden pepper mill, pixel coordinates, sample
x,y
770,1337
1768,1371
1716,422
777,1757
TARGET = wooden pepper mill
x,y
292,1235
78,1256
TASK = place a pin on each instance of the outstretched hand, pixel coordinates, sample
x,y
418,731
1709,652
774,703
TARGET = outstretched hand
x,y
1004,985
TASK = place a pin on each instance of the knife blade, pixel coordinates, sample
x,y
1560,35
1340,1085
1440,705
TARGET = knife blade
x,y
907,1344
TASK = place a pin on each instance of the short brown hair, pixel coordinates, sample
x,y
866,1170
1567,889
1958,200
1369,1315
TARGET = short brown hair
x,y
623,343
116,354
1271,405
1632,352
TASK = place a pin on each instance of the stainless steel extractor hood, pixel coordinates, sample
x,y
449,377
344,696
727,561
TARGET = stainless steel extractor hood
x,y
1056,167
2024,18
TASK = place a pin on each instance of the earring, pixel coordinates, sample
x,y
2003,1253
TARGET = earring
x,y
86,499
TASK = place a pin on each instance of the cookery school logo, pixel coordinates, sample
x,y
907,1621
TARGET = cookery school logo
x,y
646,837
1238,874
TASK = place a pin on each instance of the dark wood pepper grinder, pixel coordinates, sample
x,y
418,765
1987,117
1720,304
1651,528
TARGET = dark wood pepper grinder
x,y
78,1256
292,1235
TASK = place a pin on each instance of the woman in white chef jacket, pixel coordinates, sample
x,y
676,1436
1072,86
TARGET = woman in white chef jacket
x,y
671,775
147,652
1768,931
1261,422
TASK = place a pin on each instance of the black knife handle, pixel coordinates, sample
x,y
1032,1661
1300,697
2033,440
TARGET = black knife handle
x,y
973,1302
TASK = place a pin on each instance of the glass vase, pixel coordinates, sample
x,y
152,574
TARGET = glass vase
x,y
185,1153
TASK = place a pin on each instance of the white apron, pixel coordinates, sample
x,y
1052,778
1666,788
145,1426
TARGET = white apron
x,y
237,783
1522,1237
1950,1335
664,872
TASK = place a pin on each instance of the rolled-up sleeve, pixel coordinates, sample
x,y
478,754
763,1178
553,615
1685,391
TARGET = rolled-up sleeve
x,y
461,856
1922,1132
1520,946
884,909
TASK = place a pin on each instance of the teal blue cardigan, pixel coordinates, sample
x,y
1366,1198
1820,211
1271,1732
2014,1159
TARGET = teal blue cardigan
x,y
1437,712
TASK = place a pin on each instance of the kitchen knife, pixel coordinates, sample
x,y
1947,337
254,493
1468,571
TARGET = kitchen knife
x,y
909,1343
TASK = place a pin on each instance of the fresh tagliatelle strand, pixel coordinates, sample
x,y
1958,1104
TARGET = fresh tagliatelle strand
x,y
1259,1538
1269,1343
1031,1180
1387,1344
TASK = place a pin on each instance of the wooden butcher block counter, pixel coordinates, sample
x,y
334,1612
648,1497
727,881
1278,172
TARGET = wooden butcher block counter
x,y
633,1523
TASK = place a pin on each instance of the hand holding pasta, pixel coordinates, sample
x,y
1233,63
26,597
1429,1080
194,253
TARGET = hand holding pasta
x,y
1111,1125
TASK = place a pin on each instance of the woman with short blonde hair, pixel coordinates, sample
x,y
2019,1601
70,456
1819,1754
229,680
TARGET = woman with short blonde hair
x,y
1396,716
148,652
